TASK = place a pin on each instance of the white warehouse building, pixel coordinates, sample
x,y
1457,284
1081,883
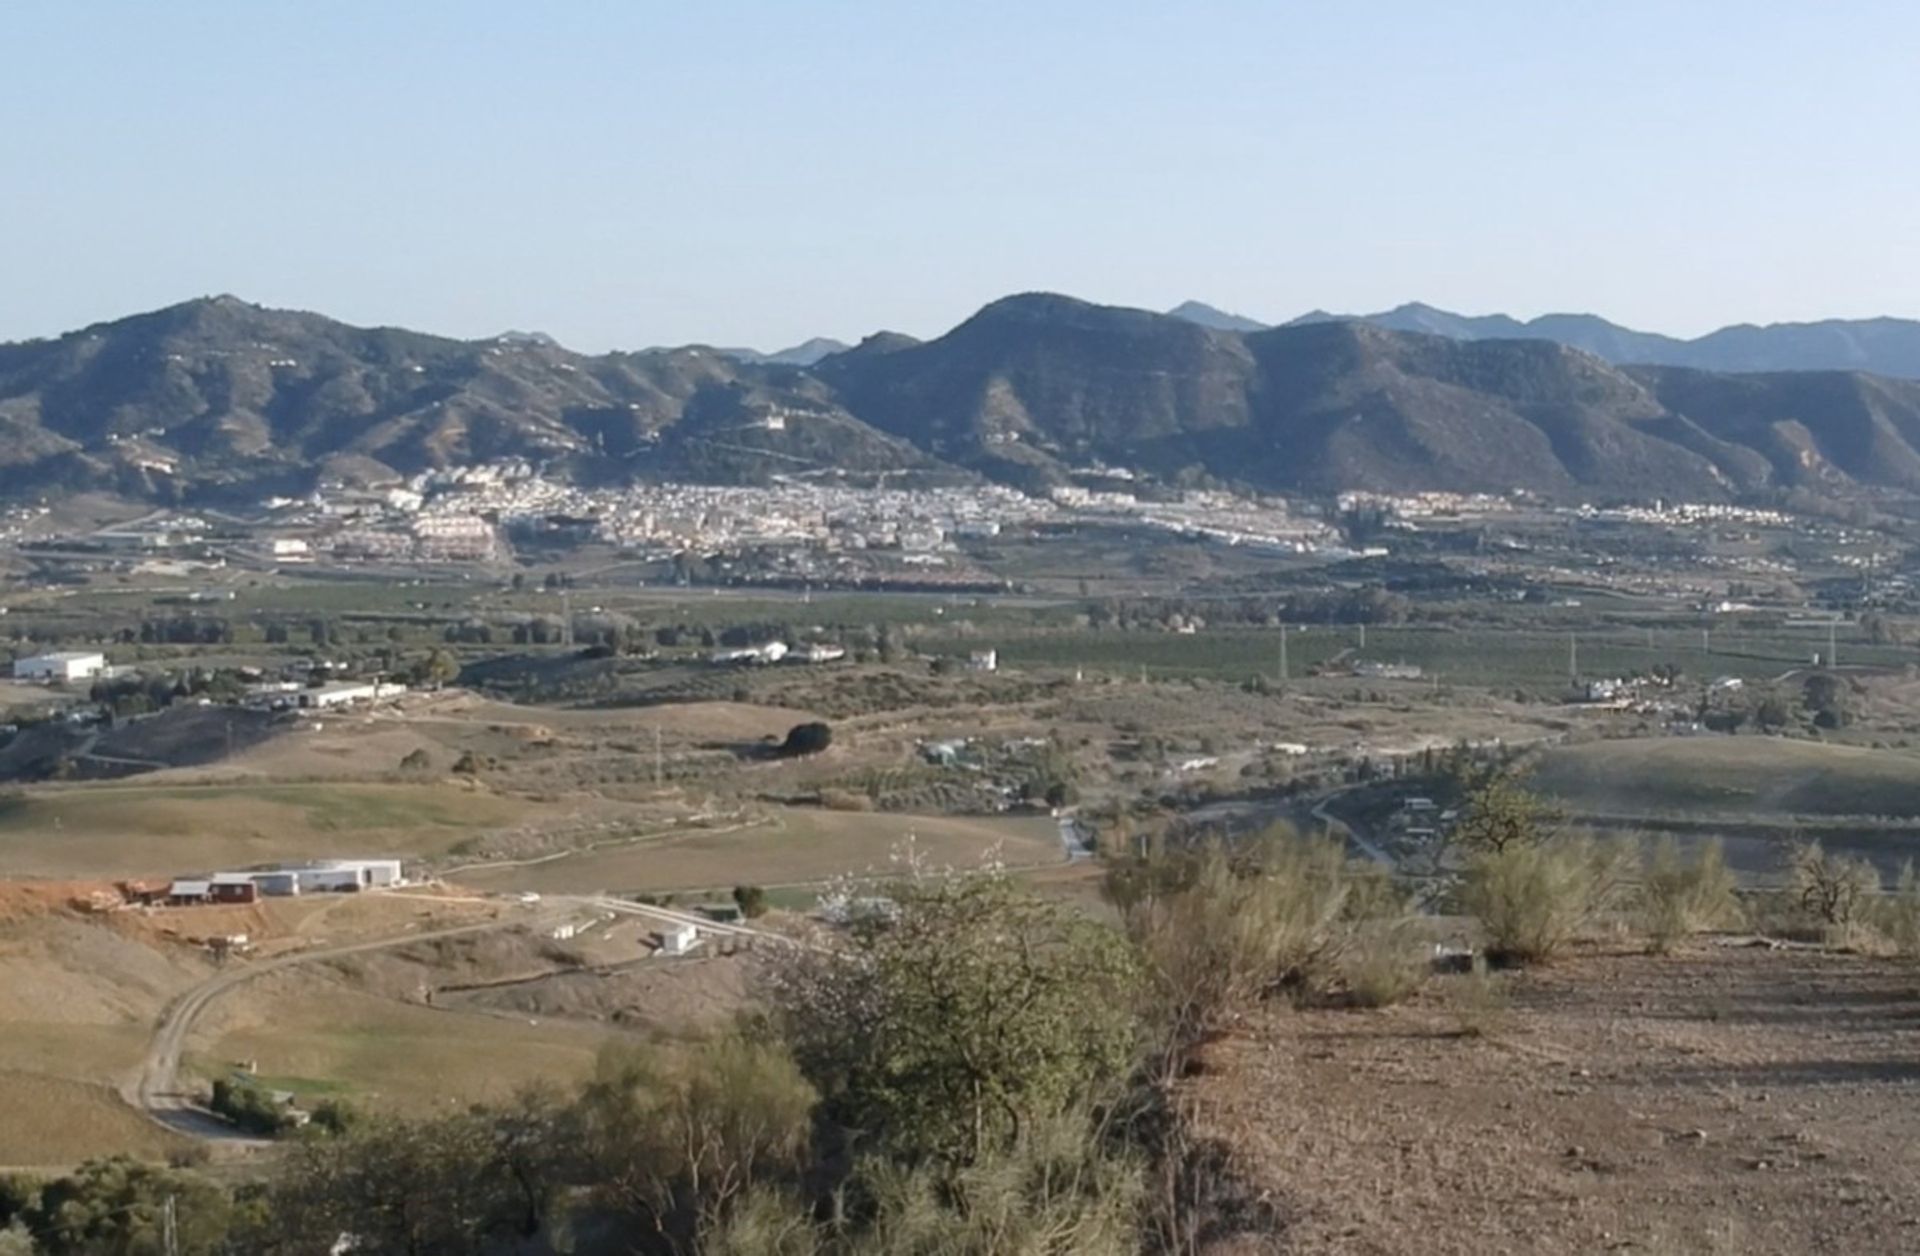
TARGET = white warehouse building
x,y
61,668
328,876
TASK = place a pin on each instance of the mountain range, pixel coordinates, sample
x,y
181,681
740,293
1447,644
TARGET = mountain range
x,y
220,400
1880,346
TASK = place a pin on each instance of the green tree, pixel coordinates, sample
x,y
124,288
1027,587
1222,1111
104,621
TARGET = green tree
x,y
118,1207
1500,813
751,900
960,1015
675,1139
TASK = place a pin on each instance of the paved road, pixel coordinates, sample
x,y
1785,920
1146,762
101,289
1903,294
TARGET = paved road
x,y
156,1089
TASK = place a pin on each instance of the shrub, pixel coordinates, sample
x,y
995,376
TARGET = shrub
x,y
1219,928
417,760
468,764
1678,897
249,1107
1835,891
1899,915
1385,964
961,1014
845,800
1534,899
751,900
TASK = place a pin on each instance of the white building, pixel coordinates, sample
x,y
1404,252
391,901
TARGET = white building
x,y
63,668
678,939
291,549
348,692
983,661
326,876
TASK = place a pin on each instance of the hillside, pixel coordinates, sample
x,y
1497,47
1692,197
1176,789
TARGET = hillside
x,y
219,399
1882,346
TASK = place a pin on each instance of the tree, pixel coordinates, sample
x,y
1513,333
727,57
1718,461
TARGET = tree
x,y
1827,700
960,1016
438,668
119,1205
806,739
675,1138
455,1184
751,900
1499,813
468,764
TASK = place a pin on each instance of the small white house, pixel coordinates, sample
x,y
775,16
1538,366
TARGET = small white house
x,y
60,669
291,549
983,661
678,939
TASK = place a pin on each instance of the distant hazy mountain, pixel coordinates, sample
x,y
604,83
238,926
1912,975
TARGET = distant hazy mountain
x,y
217,399
1882,346
803,354
1207,316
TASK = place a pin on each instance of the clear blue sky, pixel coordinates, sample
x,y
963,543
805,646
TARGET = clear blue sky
x,y
629,173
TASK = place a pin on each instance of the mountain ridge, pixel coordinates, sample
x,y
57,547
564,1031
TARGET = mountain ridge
x,y
1881,345
219,399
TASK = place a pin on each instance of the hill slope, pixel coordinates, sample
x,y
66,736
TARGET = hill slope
x,y
218,398
1882,346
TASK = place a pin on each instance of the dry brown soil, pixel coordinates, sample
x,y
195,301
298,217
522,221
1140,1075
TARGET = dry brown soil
x,y
1723,1100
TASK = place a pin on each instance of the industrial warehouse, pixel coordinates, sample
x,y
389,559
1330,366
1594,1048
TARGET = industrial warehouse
x,y
326,876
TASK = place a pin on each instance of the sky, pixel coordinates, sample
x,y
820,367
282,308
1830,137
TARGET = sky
x,y
626,173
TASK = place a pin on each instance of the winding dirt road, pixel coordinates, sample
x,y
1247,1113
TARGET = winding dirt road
x,y
156,1089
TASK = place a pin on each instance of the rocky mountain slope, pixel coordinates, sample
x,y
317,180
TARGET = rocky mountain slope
x,y
1883,346
217,398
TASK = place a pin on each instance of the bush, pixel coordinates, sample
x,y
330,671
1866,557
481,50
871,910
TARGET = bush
x,y
805,739
249,1108
845,800
1899,914
1835,891
1678,897
1220,928
1385,964
1534,899
751,900
959,1015
417,760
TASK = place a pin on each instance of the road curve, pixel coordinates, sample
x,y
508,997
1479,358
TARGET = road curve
x,y
156,1091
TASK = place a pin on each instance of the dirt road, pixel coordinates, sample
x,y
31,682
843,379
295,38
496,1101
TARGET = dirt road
x,y
156,1090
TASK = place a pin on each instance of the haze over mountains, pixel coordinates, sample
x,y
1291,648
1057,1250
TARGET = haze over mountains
x,y
217,399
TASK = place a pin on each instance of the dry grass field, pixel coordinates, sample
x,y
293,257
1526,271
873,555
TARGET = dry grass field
x,y
312,1033
108,831
1732,776
792,845
51,1123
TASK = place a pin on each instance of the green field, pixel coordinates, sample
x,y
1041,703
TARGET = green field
x,y
1746,777
1487,656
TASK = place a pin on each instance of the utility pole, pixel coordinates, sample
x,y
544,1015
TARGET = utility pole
x,y
1573,658
1283,654
1363,636
170,1230
1833,642
566,618
1706,641
656,757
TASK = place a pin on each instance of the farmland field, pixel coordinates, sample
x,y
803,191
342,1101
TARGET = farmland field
x,y
796,845
121,830
1732,776
1471,657
319,1038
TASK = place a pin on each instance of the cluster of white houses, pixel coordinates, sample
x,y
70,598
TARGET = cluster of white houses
x,y
324,876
